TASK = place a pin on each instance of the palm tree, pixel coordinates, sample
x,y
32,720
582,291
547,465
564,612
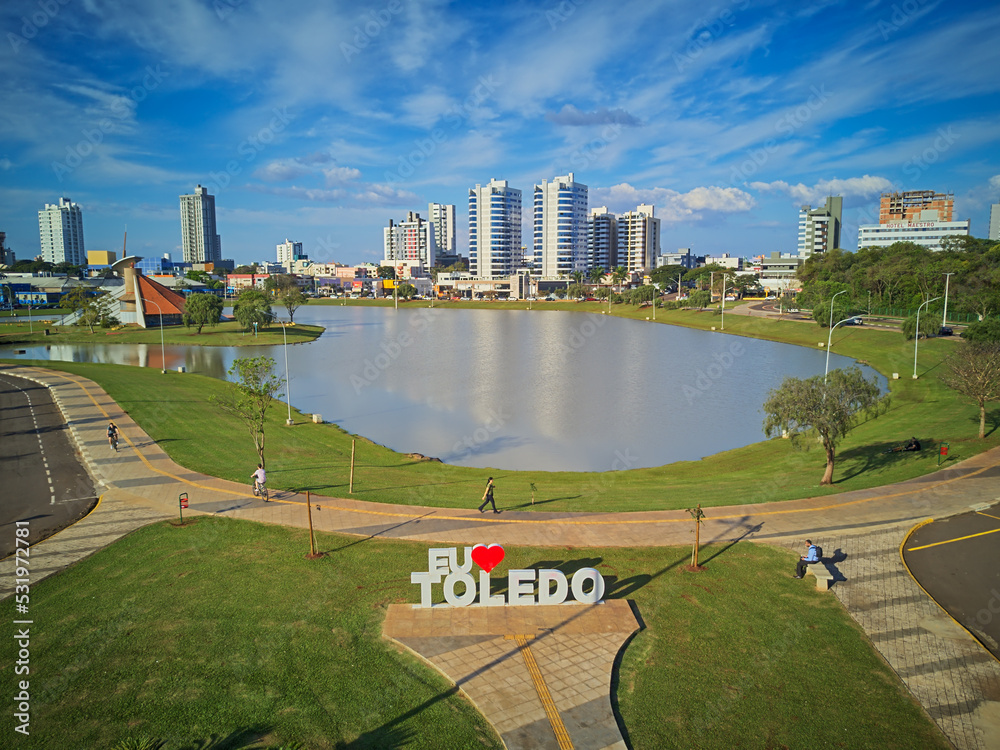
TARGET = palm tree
x,y
596,274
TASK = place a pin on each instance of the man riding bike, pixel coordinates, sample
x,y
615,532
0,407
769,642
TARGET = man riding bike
x,y
113,436
259,482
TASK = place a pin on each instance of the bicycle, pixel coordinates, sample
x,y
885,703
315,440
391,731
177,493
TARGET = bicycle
x,y
113,440
260,490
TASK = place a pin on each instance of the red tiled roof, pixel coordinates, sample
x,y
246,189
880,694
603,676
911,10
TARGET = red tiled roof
x,y
165,301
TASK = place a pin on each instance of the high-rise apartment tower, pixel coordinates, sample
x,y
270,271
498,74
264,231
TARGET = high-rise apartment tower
x,y
199,239
60,229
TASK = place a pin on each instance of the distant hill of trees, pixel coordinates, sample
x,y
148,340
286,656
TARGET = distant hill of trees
x,y
905,274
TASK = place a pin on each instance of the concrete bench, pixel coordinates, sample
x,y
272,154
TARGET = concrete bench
x,y
823,576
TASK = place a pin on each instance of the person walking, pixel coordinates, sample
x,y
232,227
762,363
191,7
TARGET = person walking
x,y
488,496
811,556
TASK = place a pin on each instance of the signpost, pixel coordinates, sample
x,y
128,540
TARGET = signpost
x,y
182,503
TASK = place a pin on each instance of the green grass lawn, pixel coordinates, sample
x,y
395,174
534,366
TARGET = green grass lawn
x,y
222,629
228,333
317,457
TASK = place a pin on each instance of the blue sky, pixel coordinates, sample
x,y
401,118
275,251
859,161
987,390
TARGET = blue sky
x,y
321,121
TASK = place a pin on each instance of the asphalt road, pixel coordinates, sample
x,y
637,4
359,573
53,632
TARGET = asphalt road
x,y
42,480
957,561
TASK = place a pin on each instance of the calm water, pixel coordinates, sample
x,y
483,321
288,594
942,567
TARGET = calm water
x,y
515,389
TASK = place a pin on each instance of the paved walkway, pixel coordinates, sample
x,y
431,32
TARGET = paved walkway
x,y
956,680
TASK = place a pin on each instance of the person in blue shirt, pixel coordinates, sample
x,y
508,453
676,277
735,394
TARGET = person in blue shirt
x,y
811,556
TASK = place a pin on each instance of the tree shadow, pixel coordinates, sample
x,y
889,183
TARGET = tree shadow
x,y
530,504
246,738
880,456
749,531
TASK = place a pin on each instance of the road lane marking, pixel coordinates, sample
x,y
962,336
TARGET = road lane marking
x,y
949,541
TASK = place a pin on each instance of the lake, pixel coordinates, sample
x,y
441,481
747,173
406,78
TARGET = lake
x,y
514,389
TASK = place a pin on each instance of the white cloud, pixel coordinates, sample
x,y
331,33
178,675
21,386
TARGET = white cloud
x,y
863,187
5,164
287,170
570,115
994,181
671,205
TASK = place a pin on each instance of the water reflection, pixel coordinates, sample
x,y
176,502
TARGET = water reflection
x,y
513,389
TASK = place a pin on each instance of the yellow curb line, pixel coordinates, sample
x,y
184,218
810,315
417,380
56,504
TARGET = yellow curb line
x,y
927,593
551,712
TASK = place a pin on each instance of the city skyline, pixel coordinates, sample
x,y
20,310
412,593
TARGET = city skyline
x,y
324,122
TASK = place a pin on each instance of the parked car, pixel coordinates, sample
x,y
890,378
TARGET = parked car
x,y
945,331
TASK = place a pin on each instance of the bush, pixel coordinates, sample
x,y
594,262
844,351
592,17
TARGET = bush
x,y
983,332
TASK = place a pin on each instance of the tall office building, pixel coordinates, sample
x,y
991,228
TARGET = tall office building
x,y
6,254
915,205
200,242
289,252
638,239
442,218
560,226
819,228
602,239
995,222
494,230
411,239
60,228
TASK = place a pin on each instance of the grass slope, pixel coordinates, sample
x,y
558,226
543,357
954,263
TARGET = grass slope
x,y
175,410
221,629
228,333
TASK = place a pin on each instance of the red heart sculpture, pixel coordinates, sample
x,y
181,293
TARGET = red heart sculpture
x,y
487,558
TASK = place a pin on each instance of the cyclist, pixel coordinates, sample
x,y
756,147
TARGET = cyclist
x,y
259,481
113,436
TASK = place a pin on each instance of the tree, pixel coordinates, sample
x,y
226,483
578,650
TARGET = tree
x,y
81,300
596,275
930,324
577,277
700,298
406,291
386,272
974,371
983,332
291,298
801,407
252,306
250,396
202,310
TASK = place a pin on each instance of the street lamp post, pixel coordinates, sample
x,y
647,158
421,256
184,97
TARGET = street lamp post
x,y
31,327
916,336
724,301
842,291
944,315
828,344
163,356
288,389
